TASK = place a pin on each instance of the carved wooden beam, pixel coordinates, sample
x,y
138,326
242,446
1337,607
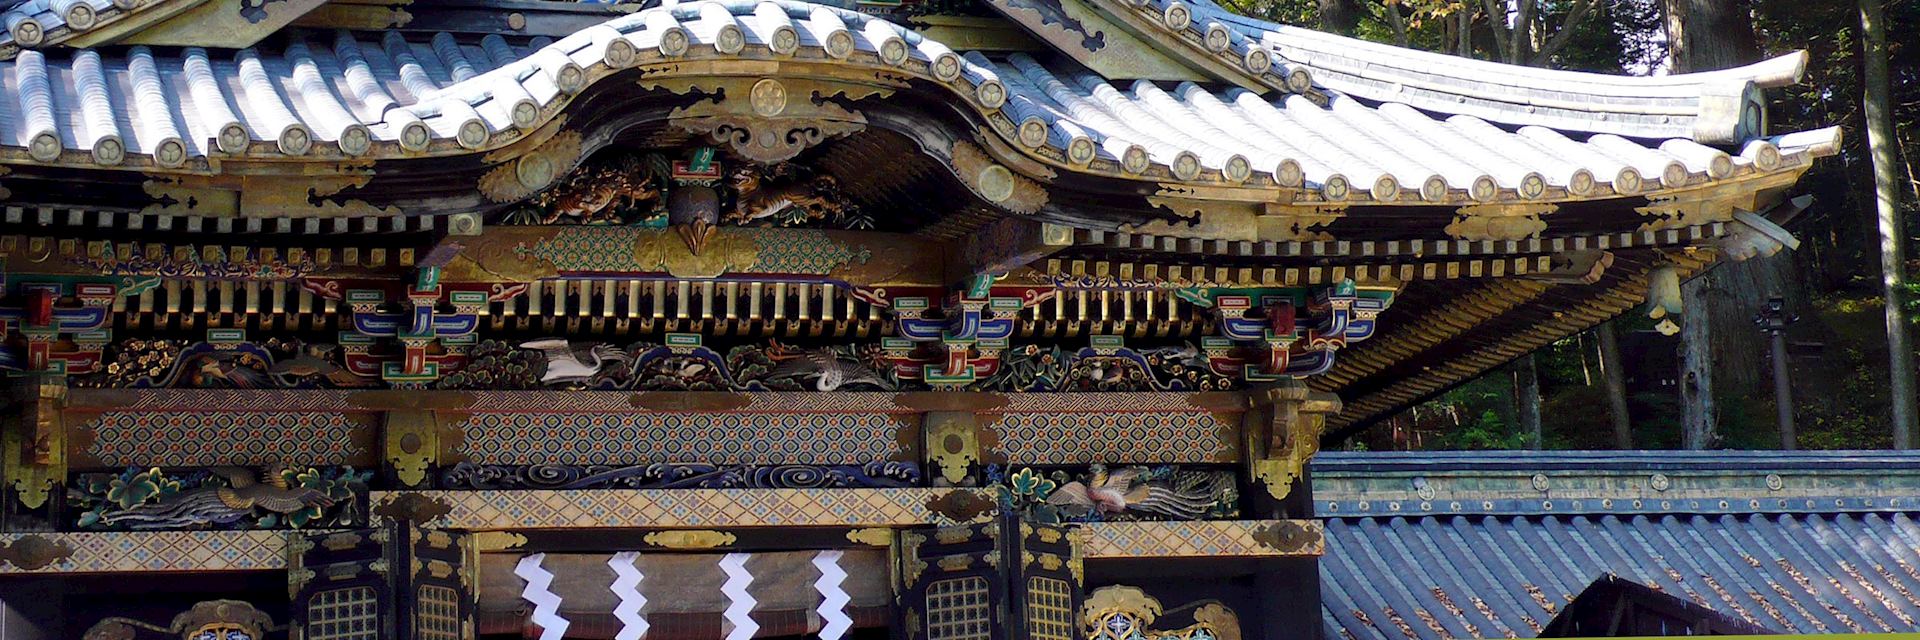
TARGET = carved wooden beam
x,y
1006,245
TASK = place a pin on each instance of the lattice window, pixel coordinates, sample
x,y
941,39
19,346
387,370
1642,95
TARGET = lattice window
x,y
352,613
437,613
1050,608
957,609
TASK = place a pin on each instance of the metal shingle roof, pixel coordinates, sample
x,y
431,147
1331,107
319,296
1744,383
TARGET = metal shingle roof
x,y
1492,570
349,96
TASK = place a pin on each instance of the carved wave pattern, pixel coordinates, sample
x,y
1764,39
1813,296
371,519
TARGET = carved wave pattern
x,y
719,438
872,475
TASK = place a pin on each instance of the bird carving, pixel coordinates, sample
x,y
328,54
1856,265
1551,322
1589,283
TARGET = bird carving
x,y
315,361
1186,497
212,504
826,368
566,363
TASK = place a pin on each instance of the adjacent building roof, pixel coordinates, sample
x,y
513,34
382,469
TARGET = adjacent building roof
x,y
1442,546
387,95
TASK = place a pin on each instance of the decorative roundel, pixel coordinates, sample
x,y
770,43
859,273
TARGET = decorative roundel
x,y
785,40
1217,38
1434,189
233,138
1766,156
1627,182
534,171
296,140
996,183
1484,189
1237,169
571,78
355,140
946,67
415,136
1675,175
991,94
1721,166
1298,80
45,147
1135,159
1660,482
1336,187
171,152
673,43
29,33
1177,16
1033,131
80,16
525,113
1186,166
1080,150
620,53
1775,483
1258,61
730,40
1533,185
1289,174
472,134
893,51
1581,184
109,151
840,44
1386,189
768,97
1540,482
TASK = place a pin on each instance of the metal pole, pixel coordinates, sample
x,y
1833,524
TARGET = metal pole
x,y
1783,391
1773,319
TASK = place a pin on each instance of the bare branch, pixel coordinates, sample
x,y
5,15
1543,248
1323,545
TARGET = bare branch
x,y
1566,32
1520,38
1398,22
1497,19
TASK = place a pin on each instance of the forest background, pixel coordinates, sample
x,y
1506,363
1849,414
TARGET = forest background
x,y
1840,364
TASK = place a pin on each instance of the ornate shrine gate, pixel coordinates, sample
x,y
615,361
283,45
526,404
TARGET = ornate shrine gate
x,y
1007,319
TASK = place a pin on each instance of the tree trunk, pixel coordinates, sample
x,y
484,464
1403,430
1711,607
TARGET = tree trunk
x,y
1340,16
1526,399
1721,353
1886,179
1699,421
1613,370
1704,35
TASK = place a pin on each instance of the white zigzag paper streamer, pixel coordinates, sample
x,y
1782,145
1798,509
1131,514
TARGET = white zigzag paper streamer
x,y
739,603
546,603
833,602
627,588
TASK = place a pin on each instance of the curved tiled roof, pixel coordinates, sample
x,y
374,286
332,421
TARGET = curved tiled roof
x,y
1719,107
358,96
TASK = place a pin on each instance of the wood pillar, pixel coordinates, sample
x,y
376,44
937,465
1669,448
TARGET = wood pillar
x,y
1282,432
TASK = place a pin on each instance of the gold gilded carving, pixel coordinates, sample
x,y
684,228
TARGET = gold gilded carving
x,y
1283,433
341,541
438,569
773,120
1077,539
1305,223
1223,621
996,182
953,444
490,541
1500,221
1049,562
1210,219
690,539
534,170
1105,601
871,536
955,563
911,566
439,539
719,252
1289,536
413,507
961,506
34,444
412,442
953,535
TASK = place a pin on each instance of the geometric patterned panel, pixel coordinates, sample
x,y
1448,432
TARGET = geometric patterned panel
x,y
205,438
1206,538
169,551
536,509
646,438
1086,438
959,609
